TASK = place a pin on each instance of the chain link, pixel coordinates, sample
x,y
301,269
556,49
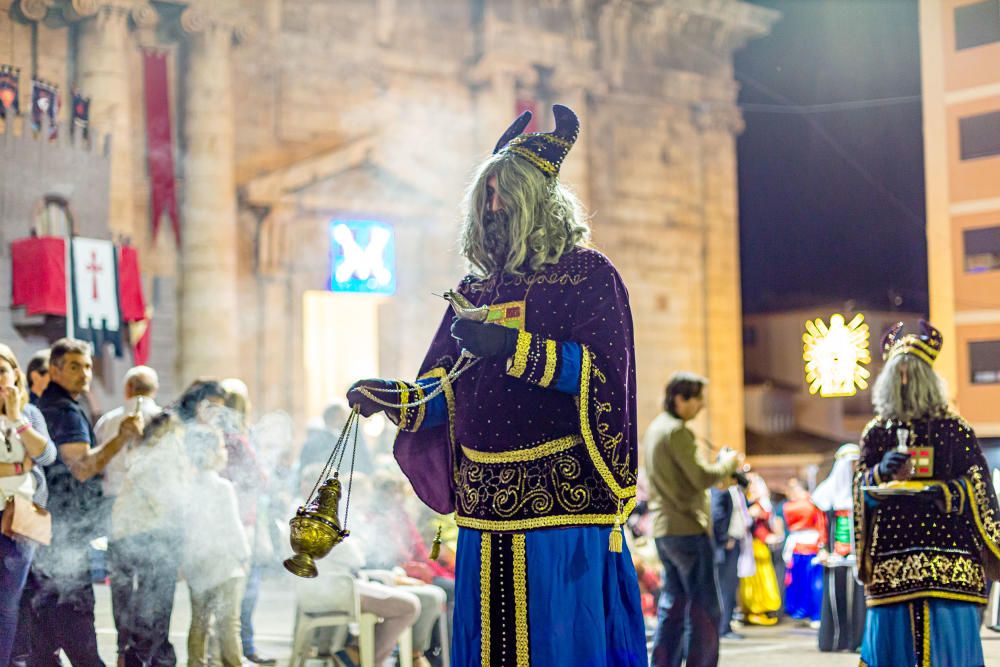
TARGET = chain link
x,y
457,370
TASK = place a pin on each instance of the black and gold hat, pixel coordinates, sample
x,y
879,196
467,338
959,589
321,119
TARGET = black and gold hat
x,y
545,150
926,345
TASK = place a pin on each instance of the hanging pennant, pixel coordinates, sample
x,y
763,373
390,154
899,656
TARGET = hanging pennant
x,y
81,115
44,104
96,311
527,104
159,141
10,78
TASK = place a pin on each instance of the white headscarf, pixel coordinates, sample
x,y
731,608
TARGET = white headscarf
x,y
835,492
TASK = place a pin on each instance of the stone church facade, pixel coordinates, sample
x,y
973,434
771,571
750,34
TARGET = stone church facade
x,y
289,114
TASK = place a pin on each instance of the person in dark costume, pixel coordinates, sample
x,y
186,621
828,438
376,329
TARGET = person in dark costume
x,y
843,615
522,420
925,516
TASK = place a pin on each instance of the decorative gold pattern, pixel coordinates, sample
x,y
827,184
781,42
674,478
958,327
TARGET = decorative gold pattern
x,y
521,455
551,356
540,162
918,567
941,595
485,557
520,361
927,634
543,521
609,442
530,280
520,602
404,400
982,510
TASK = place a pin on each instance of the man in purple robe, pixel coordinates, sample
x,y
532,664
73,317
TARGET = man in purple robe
x,y
534,445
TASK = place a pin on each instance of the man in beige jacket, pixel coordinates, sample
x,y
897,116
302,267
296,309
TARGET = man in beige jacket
x,y
680,477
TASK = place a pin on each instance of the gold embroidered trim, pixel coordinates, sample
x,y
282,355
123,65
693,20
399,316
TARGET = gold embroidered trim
x,y
920,567
913,629
982,512
404,399
927,634
520,360
943,595
543,521
485,556
520,602
588,435
533,157
551,355
521,455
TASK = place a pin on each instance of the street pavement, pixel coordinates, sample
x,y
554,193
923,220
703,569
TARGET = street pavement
x,y
787,644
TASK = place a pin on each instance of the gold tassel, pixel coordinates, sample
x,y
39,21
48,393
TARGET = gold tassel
x,y
436,545
615,539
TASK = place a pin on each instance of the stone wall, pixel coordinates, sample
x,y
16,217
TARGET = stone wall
x,y
291,112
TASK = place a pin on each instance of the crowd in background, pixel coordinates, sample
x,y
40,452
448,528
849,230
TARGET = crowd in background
x,y
190,492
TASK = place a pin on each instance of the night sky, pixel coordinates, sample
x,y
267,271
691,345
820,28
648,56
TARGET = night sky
x,y
832,200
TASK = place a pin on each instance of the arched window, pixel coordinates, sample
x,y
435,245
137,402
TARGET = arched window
x,y
53,217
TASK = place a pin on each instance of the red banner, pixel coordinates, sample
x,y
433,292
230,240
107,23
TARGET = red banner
x,y
524,104
159,141
38,275
130,300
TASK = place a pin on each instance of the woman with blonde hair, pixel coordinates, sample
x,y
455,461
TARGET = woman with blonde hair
x,y
24,447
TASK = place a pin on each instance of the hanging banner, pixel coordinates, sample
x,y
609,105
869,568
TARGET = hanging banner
x,y
81,115
44,104
524,104
94,293
10,99
159,141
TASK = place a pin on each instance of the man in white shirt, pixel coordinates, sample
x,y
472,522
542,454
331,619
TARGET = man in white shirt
x,y
141,385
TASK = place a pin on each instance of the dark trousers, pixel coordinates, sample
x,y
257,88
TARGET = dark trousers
x,y
143,578
15,561
27,627
63,608
688,612
726,570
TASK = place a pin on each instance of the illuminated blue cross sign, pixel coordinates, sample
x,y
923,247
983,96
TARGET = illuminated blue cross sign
x,y
362,257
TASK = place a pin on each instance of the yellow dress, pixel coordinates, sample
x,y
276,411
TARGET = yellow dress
x,y
759,593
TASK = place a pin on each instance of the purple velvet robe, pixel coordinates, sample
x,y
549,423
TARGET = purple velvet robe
x,y
517,454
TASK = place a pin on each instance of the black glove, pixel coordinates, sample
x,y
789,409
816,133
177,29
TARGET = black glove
x,y
892,462
484,340
367,405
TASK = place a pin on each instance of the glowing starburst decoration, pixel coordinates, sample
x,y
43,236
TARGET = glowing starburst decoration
x,y
835,355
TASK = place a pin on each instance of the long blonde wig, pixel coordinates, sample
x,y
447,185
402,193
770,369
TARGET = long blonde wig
x,y
544,219
923,394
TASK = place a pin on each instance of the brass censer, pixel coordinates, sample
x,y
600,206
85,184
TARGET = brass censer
x,y
315,528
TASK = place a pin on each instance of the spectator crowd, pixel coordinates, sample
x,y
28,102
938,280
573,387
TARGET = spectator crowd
x,y
191,492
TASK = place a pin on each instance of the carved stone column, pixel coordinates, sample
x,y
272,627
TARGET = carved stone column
x,y
104,76
723,311
208,297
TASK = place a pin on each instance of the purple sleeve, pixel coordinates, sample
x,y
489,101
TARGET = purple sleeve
x,y
426,454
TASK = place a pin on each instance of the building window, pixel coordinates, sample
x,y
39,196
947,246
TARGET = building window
x,y
980,135
984,361
53,217
982,249
977,24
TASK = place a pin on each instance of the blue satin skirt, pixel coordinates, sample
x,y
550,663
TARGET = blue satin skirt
x,y
580,601
954,635
804,588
